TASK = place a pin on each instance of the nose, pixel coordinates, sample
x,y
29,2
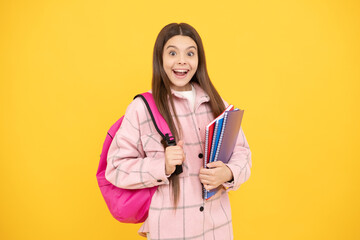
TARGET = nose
x,y
182,59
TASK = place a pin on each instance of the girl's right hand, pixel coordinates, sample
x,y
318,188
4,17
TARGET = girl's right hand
x,y
174,155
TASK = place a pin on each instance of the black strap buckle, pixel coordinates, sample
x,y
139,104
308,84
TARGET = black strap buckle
x,y
170,140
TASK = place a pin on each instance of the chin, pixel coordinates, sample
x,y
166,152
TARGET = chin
x,y
180,85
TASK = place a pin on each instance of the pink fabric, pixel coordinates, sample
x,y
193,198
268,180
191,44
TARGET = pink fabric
x,y
136,160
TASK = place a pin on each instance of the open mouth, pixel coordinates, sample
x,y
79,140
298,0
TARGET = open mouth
x,y
180,72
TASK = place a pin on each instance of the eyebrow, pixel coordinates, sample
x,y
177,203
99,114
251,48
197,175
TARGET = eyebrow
x,y
177,48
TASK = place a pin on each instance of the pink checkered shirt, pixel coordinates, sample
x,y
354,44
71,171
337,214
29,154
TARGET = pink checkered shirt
x,y
136,160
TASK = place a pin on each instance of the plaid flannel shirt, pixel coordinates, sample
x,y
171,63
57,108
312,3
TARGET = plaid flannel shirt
x,y
136,159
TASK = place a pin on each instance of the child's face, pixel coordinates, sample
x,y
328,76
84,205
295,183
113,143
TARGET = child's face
x,y
180,61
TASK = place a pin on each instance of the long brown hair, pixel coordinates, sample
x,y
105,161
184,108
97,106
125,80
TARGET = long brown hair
x,y
161,85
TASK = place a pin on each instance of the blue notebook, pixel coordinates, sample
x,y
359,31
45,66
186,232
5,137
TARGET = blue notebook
x,y
216,138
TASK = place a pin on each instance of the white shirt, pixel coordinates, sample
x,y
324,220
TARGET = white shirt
x,y
189,95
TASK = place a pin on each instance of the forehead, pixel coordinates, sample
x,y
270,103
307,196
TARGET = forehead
x,y
181,42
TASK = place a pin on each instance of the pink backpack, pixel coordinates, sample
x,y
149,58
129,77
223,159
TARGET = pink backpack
x,y
130,205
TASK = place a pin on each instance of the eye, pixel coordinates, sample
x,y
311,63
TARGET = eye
x,y
172,53
191,54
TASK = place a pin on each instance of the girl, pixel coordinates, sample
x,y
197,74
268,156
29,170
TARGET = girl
x,y
137,157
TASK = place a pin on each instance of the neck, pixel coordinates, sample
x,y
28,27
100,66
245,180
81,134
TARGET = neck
x,y
187,87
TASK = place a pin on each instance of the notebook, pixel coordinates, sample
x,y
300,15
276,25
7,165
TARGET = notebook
x,y
216,138
228,135
209,135
224,140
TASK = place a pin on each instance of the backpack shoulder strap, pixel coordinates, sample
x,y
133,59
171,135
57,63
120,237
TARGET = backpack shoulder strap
x,y
160,124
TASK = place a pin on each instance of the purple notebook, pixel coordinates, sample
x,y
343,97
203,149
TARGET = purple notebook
x,y
228,136
227,141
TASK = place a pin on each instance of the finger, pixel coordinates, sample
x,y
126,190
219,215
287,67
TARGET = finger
x,y
180,143
205,181
174,149
205,171
176,155
177,151
171,157
206,178
175,162
209,187
215,164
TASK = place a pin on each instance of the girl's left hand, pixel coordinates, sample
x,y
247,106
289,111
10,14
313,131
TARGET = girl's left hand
x,y
216,174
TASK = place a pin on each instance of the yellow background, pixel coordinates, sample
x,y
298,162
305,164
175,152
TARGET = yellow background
x,y
69,69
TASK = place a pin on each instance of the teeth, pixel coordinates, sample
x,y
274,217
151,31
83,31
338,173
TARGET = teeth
x,y
181,71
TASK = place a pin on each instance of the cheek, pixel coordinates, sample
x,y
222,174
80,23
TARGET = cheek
x,y
167,64
194,65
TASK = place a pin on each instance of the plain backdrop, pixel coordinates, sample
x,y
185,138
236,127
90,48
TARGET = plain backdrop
x,y
69,69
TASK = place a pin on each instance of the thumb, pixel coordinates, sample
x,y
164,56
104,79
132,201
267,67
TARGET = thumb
x,y
180,143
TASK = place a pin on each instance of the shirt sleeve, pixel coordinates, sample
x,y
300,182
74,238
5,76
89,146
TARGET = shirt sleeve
x,y
132,163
